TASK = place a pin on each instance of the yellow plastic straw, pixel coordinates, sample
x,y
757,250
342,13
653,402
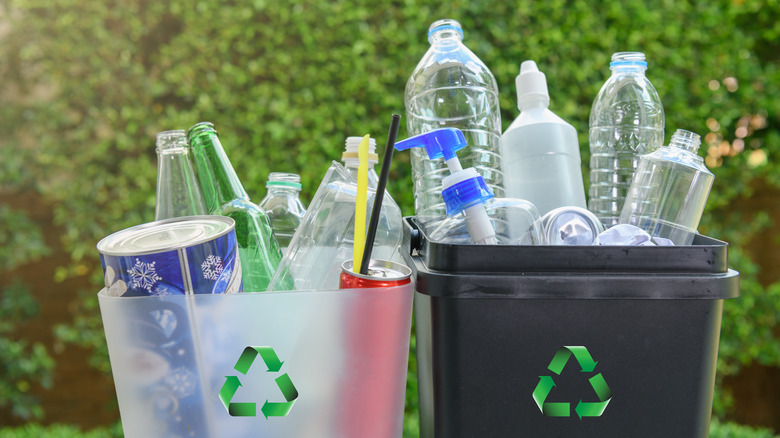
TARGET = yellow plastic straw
x,y
361,204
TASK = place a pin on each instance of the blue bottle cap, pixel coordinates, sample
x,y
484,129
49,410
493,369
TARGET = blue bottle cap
x,y
438,143
466,193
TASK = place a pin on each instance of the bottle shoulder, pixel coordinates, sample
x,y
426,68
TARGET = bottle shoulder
x,y
537,116
458,67
675,157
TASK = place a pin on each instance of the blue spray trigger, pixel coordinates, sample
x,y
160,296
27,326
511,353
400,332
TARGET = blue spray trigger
x,y
438,143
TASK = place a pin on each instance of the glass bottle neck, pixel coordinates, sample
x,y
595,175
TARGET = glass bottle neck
x,y
218,180
283,192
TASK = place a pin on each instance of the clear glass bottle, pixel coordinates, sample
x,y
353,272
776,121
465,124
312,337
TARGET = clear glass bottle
x,y
259,251
451,87
283,205
670,190
178,193
539,151
626,122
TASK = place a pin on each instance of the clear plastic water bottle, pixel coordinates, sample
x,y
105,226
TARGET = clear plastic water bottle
x,y
283,205
539,151
670,190
626,121
451,87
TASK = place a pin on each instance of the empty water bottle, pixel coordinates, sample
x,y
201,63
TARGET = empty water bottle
x,y
451,87
283,205
670,190
626,121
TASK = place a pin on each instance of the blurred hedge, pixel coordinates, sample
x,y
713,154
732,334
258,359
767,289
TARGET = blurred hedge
x,y
86,85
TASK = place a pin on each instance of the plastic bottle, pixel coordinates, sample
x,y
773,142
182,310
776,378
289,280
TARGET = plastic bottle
x,y
178,193
670,190
539,151
283,205
325,238
259,251
626,121
473,215
390,220
451,87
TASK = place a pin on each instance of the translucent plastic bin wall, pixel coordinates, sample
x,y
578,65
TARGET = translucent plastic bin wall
x,y
273,364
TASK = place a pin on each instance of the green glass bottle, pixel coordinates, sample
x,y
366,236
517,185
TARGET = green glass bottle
x,y
259,251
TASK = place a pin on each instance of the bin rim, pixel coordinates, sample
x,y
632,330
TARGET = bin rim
x,y
705,256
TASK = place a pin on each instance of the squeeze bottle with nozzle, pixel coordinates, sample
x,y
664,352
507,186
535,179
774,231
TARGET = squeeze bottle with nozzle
x,y
472,210
539,150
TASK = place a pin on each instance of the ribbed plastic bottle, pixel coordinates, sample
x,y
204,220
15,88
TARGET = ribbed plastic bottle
x,y
283,205
626,121
178,193
670,190
451,87
539,151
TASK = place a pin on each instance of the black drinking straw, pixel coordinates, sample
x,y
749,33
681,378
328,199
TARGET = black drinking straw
x,y
380,193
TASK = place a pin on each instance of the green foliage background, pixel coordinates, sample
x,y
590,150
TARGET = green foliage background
x,y
87,84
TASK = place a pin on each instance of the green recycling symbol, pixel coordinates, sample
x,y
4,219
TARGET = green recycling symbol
x,y
269,409
597,382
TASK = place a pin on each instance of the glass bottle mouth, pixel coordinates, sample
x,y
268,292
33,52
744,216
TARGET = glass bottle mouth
x,y
200,128
628,59
446,28
169,140
284,180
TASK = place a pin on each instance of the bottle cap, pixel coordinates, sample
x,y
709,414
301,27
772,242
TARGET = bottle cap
x,y
531,86
438,143
284,180
350,154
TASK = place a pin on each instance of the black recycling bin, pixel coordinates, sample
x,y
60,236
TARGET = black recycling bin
x,y
567,341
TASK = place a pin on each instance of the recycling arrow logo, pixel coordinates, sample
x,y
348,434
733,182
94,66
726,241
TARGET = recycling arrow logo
x,y
269,409
597,382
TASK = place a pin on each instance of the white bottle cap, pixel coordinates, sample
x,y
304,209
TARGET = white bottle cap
x,y
531,86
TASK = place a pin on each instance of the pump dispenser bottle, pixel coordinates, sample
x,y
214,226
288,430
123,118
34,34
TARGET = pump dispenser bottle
x,y
473,214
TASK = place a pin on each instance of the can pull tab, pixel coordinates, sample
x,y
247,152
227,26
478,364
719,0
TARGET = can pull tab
x,y
438,143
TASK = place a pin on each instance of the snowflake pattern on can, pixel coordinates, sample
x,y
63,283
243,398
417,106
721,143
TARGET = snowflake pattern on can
x,y
181,382
144,275
211,267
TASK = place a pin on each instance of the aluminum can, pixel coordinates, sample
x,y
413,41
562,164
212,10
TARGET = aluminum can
x,y
179,256
381,273
570,226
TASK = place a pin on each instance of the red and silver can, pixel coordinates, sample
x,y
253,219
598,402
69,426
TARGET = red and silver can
x,y
381,273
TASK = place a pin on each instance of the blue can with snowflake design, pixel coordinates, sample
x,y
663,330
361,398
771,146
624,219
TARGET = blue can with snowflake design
x,y
179,256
